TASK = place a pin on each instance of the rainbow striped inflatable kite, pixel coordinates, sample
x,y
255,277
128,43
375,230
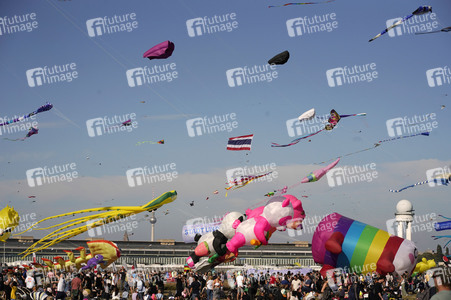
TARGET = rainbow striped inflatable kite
x,y
341,242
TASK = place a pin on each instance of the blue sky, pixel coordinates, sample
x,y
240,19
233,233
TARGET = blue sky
x,y
201,89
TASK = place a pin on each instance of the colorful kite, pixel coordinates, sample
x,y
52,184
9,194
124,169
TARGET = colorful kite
x,y
446,29
242,181
240,142
341,242
280,59
32,131
301,3
103,215
160,51
443,179
150,142
332,122
419,11
43,108
317,174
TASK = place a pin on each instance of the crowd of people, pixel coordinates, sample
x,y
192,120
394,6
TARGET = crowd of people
x,y
238,285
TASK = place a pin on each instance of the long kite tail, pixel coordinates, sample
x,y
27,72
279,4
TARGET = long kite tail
x,y
443,236
353,115
15,140
294,142
301,3
426,133
391,27
410,186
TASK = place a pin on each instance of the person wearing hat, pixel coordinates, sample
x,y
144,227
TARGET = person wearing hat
x,y
442,281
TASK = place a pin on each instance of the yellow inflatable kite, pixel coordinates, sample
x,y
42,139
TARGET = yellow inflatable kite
x,y
9,219
110,214
109,251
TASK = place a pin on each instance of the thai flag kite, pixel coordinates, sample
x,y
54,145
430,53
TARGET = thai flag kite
x,y
240,142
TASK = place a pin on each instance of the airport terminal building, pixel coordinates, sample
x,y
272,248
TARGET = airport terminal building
x,y
168,252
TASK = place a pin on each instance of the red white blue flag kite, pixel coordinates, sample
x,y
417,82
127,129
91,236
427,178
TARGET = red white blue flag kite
x,y
240,142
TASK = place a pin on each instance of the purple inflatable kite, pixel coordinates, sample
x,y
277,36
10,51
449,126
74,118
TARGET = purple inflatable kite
x,y
160,51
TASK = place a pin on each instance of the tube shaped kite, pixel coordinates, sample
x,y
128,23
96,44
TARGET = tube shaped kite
x,y
301,3
419,11
9,219
110,214
43,108
317,174
443,179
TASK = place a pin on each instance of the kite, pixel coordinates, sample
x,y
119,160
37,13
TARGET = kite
x,y
9,219
191,203
280,59
160,51
443,236
445,225
103,215
125,123
308,115
419,11
301,3
32,131
377,145
317,174
443,179
446,29
150,142
332,122
242,181
240,142
341,242
43,108
93,262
